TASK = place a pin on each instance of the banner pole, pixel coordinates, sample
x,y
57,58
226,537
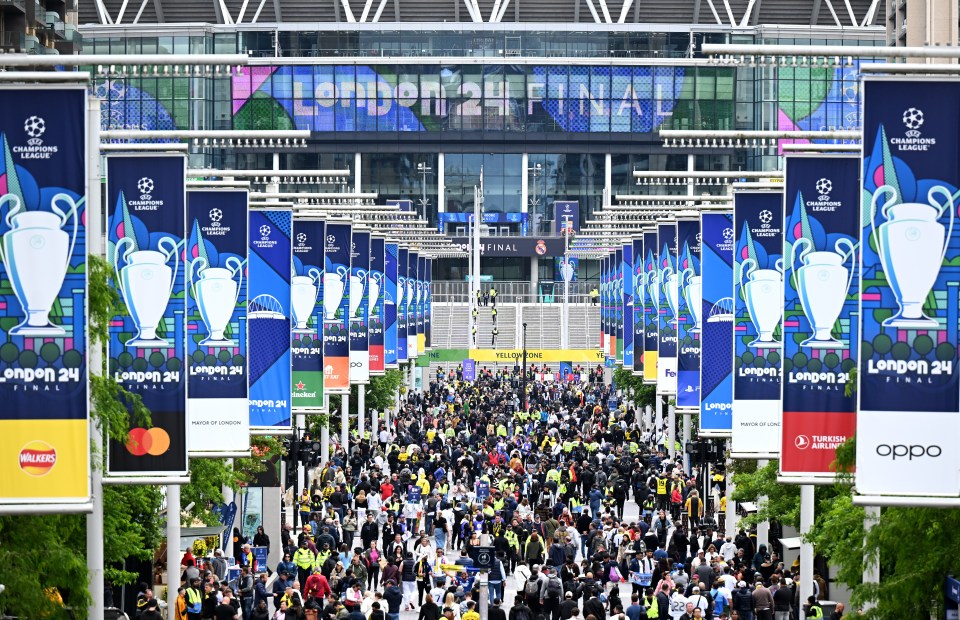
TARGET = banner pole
x,y
807,498
173,545
671,428
95,248
686,440
325,432
871,564
763,528
361,408
730,518
345,422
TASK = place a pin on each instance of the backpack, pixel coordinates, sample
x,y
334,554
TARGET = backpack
x,y
554,587
532,587
522,614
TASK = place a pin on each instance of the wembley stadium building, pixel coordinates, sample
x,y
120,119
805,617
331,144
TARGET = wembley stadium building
x,y
556,102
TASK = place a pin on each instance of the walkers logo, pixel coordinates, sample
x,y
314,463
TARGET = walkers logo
x,y
37,458
34,127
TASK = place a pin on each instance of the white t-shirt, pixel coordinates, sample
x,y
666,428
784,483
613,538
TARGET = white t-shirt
x,y
678,605
700,601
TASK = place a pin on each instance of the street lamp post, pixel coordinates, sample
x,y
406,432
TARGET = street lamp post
x,y
535,171
424,170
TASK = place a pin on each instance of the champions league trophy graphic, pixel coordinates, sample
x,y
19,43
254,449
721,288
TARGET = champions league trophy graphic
x,y
358,284
693,295
822,284
333,287
671,288
764,296
911,245
304,291
146,283
216,293
410,298
36,253
653,288
374,287
566,271
401,291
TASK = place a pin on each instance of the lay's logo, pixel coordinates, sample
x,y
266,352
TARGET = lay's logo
x,y
37,458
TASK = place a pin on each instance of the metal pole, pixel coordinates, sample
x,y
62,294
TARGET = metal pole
x,y
686,440
173,546
361,408
298,431
374,427
523,379
731,515
325,432
871,562
95,519
659,418
807,498
763,528
345,421
565,316
484,602
671,430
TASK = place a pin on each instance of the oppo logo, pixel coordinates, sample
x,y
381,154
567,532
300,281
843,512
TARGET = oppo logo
x,y
899,451
356,364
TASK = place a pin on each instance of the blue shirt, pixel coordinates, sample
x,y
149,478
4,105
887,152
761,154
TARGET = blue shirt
x,y
635,612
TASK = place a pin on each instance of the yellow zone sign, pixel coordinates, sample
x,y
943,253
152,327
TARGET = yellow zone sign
x,y
538,356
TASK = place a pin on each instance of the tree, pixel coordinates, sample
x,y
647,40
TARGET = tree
x,y
642,394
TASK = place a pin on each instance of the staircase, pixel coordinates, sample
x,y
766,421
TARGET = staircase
x,y
449,326
584,326
543,325
506,325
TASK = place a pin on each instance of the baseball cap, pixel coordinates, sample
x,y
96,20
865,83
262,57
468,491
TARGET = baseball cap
x,y
742,584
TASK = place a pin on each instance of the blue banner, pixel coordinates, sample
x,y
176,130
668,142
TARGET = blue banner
x,y
217,320
146,199
403,266
651,308
359,308
375,295
690,314
421,302
716,350
909,369
639,289
566,216
758,293
306,295
489,217
617,301
564,273
45,452
469,370
821,288
626,274
268,316
411,302
337,304
428,308
668,283
390,306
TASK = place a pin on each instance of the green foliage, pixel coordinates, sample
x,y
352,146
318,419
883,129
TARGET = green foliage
x,y
643,394
782,500
38,553
131,526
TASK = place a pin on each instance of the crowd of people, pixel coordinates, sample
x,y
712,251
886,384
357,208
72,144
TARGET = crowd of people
x,y
587,516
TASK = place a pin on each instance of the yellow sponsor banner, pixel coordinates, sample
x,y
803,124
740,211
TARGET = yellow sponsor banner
x,y
537,356
44,461
422,343
650,366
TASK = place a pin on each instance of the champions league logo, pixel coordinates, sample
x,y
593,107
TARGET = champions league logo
x,y
726,244
301,239
913,120
264,241
765,218
34,127
264,232
145,187
215,216
823,203
824,187
216,227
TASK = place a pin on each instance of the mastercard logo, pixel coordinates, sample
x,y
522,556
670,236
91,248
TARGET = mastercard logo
x,y
37,458
143,441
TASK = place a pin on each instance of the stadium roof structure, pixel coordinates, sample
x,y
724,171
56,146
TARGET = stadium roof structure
x,y
541,14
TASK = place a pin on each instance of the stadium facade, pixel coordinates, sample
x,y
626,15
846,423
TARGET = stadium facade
x,y
553,101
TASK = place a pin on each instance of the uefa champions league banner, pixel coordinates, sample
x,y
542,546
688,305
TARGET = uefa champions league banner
x,y
908,370
270,264
375,295
651,307
146,201
604,306
757,342
306,301
402,267
359,308
690,313
391,305
411,301
668,282
821,242
627,282
639,291
337,302
611,305
716,335
421,304
618,303
43,332
428,313
218,399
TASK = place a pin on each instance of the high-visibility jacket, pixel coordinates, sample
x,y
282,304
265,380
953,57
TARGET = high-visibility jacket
x,y
303,558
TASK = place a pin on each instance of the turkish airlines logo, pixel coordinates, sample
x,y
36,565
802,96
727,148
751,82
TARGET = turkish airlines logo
x,y
801,442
